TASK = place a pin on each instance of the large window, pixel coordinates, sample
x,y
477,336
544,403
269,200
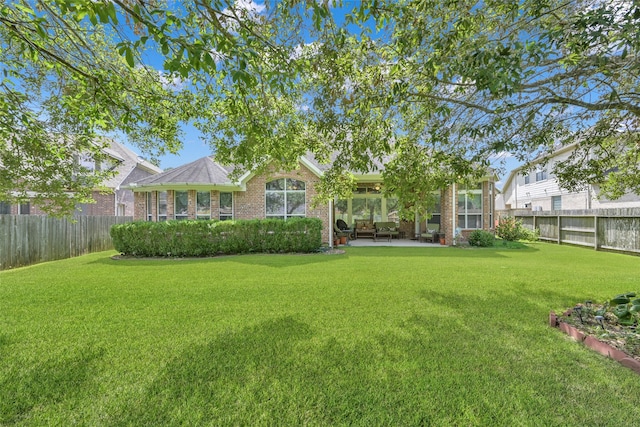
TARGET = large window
x,y
368,204
181,204
541,175
162,205
470,207
285,198
5,208
226,206
203,205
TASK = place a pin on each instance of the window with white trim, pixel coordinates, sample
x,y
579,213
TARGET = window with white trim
x,y
556,203
162,205
181,205
149,206
470,207
541,175
226,206
285,198
203,205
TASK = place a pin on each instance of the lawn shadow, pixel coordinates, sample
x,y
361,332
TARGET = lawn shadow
x,y
217,373
448,252
27,389
268,260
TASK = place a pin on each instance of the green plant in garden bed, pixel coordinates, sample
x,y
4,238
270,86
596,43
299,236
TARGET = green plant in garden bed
x,y
614,321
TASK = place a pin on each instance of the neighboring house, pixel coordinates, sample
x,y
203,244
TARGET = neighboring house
x,y
539,190
116,200
203,189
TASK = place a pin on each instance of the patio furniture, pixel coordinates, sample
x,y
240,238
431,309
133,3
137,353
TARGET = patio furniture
x,y
385,229
363,228
341,229
431,233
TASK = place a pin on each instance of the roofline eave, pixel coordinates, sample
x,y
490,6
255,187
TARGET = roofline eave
x,y
184,186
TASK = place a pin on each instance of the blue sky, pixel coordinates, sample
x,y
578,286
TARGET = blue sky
x,y
194,148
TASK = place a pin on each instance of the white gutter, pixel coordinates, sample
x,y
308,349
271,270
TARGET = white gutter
x,y
453,211
331,224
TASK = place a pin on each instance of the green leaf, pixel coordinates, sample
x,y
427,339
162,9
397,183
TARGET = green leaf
x,y
620,299
621,311
129,56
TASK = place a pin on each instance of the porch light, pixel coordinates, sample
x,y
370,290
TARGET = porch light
x,y
376,186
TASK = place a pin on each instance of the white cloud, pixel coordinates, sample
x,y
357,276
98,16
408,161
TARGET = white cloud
x,y
171,82
241,10
249,6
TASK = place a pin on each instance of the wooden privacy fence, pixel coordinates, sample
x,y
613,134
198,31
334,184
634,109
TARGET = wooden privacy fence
x,y
29,239
610,229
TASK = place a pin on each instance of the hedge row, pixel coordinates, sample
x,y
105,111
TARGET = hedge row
x,y
208,238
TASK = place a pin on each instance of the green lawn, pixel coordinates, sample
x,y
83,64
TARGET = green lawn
x,y
377,336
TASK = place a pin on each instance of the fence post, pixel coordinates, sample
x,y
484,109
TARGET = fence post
x,y
595,232
559,222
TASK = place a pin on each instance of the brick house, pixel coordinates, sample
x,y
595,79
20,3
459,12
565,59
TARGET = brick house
x,y
203,189
116,200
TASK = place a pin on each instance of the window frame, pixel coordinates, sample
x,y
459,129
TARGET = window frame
x,y
162,216
199,215
149,204
463,212
225,216
24,206
286,191
184,213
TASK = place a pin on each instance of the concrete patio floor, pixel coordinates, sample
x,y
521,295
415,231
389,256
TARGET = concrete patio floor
x,y
394,242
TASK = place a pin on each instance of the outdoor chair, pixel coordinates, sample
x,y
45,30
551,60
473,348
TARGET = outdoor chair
x,y
364,228
385,229
341,229
431,233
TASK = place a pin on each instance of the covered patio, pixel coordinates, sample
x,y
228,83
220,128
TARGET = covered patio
x,y
393,242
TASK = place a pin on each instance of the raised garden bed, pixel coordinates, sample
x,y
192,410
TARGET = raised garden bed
x,y
597,327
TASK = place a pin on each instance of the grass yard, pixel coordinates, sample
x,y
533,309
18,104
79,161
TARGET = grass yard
x,y
378,336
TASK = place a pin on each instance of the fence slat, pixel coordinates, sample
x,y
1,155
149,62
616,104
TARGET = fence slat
x,y
29,239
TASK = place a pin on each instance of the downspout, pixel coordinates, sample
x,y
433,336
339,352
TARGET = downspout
x,y
331,224
453,213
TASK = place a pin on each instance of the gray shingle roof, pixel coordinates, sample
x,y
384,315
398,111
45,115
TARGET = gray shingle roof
x,y
203,171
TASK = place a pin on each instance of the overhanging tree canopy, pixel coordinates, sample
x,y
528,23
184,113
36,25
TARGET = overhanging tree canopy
x,y
438,86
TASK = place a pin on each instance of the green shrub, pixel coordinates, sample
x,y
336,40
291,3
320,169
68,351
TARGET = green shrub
x,y
529,235
511,229
481,238
207,238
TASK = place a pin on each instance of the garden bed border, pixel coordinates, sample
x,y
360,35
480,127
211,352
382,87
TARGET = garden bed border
x,y
595,344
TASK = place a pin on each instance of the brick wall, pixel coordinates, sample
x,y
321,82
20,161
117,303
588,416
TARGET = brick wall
x,y
249,204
